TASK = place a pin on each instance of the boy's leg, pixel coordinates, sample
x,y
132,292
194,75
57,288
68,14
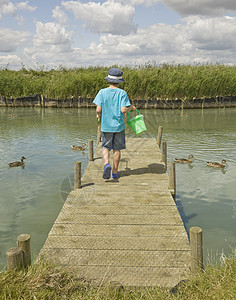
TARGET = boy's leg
x,y
106,147
116,161
118,145
106,155
107,138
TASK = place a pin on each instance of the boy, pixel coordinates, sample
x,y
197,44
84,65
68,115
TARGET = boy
x,y
112,103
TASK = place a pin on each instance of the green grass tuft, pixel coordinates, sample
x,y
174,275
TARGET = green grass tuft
x,y
46,281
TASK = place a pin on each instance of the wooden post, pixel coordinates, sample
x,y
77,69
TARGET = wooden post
x,y
159,136
77,179
164,153
23,242
14,258
196,253
90,150
172,179
99,135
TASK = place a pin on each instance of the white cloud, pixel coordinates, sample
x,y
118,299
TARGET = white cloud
x,y
201,7
14,60
191,7
10,39
150,41
9,8
138,2
51,45
59,15
108,17
212,33
24,6
51,34
196,39
54,57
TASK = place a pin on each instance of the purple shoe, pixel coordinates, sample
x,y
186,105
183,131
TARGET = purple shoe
x,y
116,176
107,171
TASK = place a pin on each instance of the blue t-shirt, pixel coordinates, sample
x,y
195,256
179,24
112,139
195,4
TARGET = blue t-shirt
x,y
111,101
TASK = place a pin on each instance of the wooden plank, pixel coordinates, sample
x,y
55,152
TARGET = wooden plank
x,y
120,210
120,198
65,217
117,243
125,258
138,187
126,179
132,276
157,171
117,230
137,192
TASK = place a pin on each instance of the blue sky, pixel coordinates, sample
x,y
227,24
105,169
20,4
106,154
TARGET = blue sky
x,y
53,33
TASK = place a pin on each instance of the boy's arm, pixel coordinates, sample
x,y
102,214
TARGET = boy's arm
x,y
99,111
125,109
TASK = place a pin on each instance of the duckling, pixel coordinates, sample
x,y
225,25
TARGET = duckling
x,y
17,163
78,147
216,164
184,160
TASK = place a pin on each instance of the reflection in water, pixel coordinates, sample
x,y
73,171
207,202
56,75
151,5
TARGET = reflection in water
x,y
32,197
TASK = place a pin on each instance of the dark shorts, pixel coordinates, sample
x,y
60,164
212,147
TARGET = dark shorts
x,y
113,140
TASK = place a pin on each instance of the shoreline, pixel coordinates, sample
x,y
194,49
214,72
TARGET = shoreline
x,y
39,101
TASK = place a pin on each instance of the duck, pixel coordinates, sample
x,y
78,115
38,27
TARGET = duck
x,y
216,164
17,163
184,160
78,147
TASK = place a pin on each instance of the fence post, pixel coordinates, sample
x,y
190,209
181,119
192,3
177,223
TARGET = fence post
x,y
196,253
23,242
90,150
172,179
14,258
77,176
159,135
164,153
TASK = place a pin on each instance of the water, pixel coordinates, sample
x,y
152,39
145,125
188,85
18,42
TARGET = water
x,y
31,197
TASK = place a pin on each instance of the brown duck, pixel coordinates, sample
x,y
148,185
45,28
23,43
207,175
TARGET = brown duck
x,y
17,163
184,160
216,164
81,148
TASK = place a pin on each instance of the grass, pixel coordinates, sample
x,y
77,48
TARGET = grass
x,y
148,81
45,281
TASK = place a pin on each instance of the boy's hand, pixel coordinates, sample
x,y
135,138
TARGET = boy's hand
x,y
98,118
126,109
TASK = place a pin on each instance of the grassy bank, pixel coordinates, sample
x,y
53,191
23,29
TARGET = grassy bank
x,y
45,281
143,82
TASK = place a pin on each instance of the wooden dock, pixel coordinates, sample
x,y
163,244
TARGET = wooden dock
x,y
126,231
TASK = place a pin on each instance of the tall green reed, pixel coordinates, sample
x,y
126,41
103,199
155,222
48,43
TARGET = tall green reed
x,y
148,81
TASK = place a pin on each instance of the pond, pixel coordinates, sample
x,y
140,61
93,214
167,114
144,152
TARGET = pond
x,y
31,197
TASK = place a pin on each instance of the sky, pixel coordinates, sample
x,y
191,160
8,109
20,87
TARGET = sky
x,y
53,33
